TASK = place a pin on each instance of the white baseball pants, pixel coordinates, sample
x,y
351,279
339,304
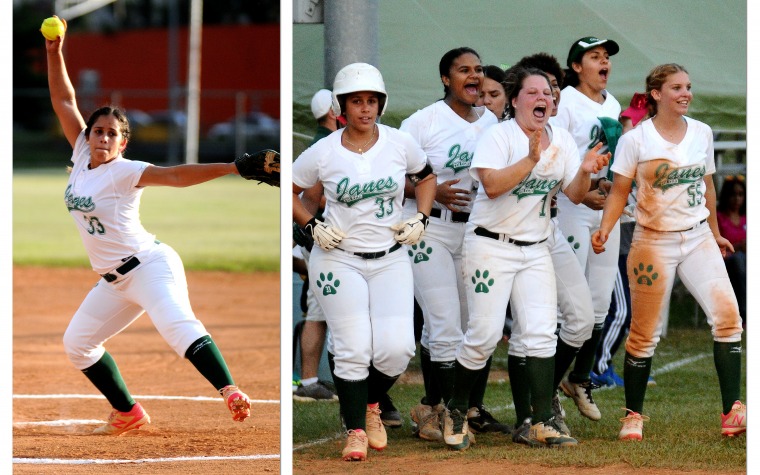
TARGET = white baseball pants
x,y
369,309
496,271
578,223
439,287
157,286
653,262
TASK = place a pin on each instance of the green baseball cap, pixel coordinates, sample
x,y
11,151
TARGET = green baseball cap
x,y
587,43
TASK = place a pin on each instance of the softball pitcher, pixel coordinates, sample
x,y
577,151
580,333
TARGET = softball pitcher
x,y
671,158
585,105
520,164
448,131
362,278
138,273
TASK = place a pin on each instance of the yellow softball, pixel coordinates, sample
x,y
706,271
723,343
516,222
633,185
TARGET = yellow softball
x,y
52,28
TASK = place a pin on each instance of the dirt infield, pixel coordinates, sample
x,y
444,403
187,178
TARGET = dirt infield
x,y
241,311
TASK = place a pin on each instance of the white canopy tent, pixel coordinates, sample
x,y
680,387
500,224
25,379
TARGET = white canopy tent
x,y
708,38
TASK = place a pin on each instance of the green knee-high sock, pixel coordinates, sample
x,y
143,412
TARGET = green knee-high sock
x,y
208,360
106,377
728,363
517,367
584,361
479,388
443,375
463,380
563,358
635,375
352,396
541,377
432,392
378,384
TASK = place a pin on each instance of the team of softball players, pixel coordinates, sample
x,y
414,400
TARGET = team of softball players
x,y
456,209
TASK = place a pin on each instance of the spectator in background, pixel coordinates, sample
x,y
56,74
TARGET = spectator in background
x,y
636,111
732,222
321,109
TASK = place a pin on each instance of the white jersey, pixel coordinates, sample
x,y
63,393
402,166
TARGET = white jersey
x,y
449,142
669,177
364,192
105,205
522,213
579,115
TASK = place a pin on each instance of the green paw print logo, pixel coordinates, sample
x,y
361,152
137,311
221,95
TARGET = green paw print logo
x,y
483,286
644,275
420,253
574,245
327,285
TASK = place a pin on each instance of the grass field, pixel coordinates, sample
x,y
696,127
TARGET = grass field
x,y
683,434
225,224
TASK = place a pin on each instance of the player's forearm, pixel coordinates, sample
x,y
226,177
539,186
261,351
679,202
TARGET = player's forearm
x,y
185,175
300,214
61,90
497,182
312,198
424,194
63,98
615,203
578,188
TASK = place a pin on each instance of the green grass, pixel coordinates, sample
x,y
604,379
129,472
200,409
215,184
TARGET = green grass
x,y
225,224
683,434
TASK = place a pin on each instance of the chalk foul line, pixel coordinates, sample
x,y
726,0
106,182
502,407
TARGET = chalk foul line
x,y
164,398
51,461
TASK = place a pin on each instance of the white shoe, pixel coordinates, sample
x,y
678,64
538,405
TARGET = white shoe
x,y
633,426
455,432
376,436
356,446
581,395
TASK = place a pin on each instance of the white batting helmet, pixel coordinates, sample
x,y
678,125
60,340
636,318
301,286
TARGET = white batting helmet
x,y
358,77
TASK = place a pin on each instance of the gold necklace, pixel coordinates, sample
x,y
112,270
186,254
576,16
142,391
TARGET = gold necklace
x,y
361,149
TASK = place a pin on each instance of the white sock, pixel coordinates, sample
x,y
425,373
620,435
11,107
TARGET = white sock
x,y
309,381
